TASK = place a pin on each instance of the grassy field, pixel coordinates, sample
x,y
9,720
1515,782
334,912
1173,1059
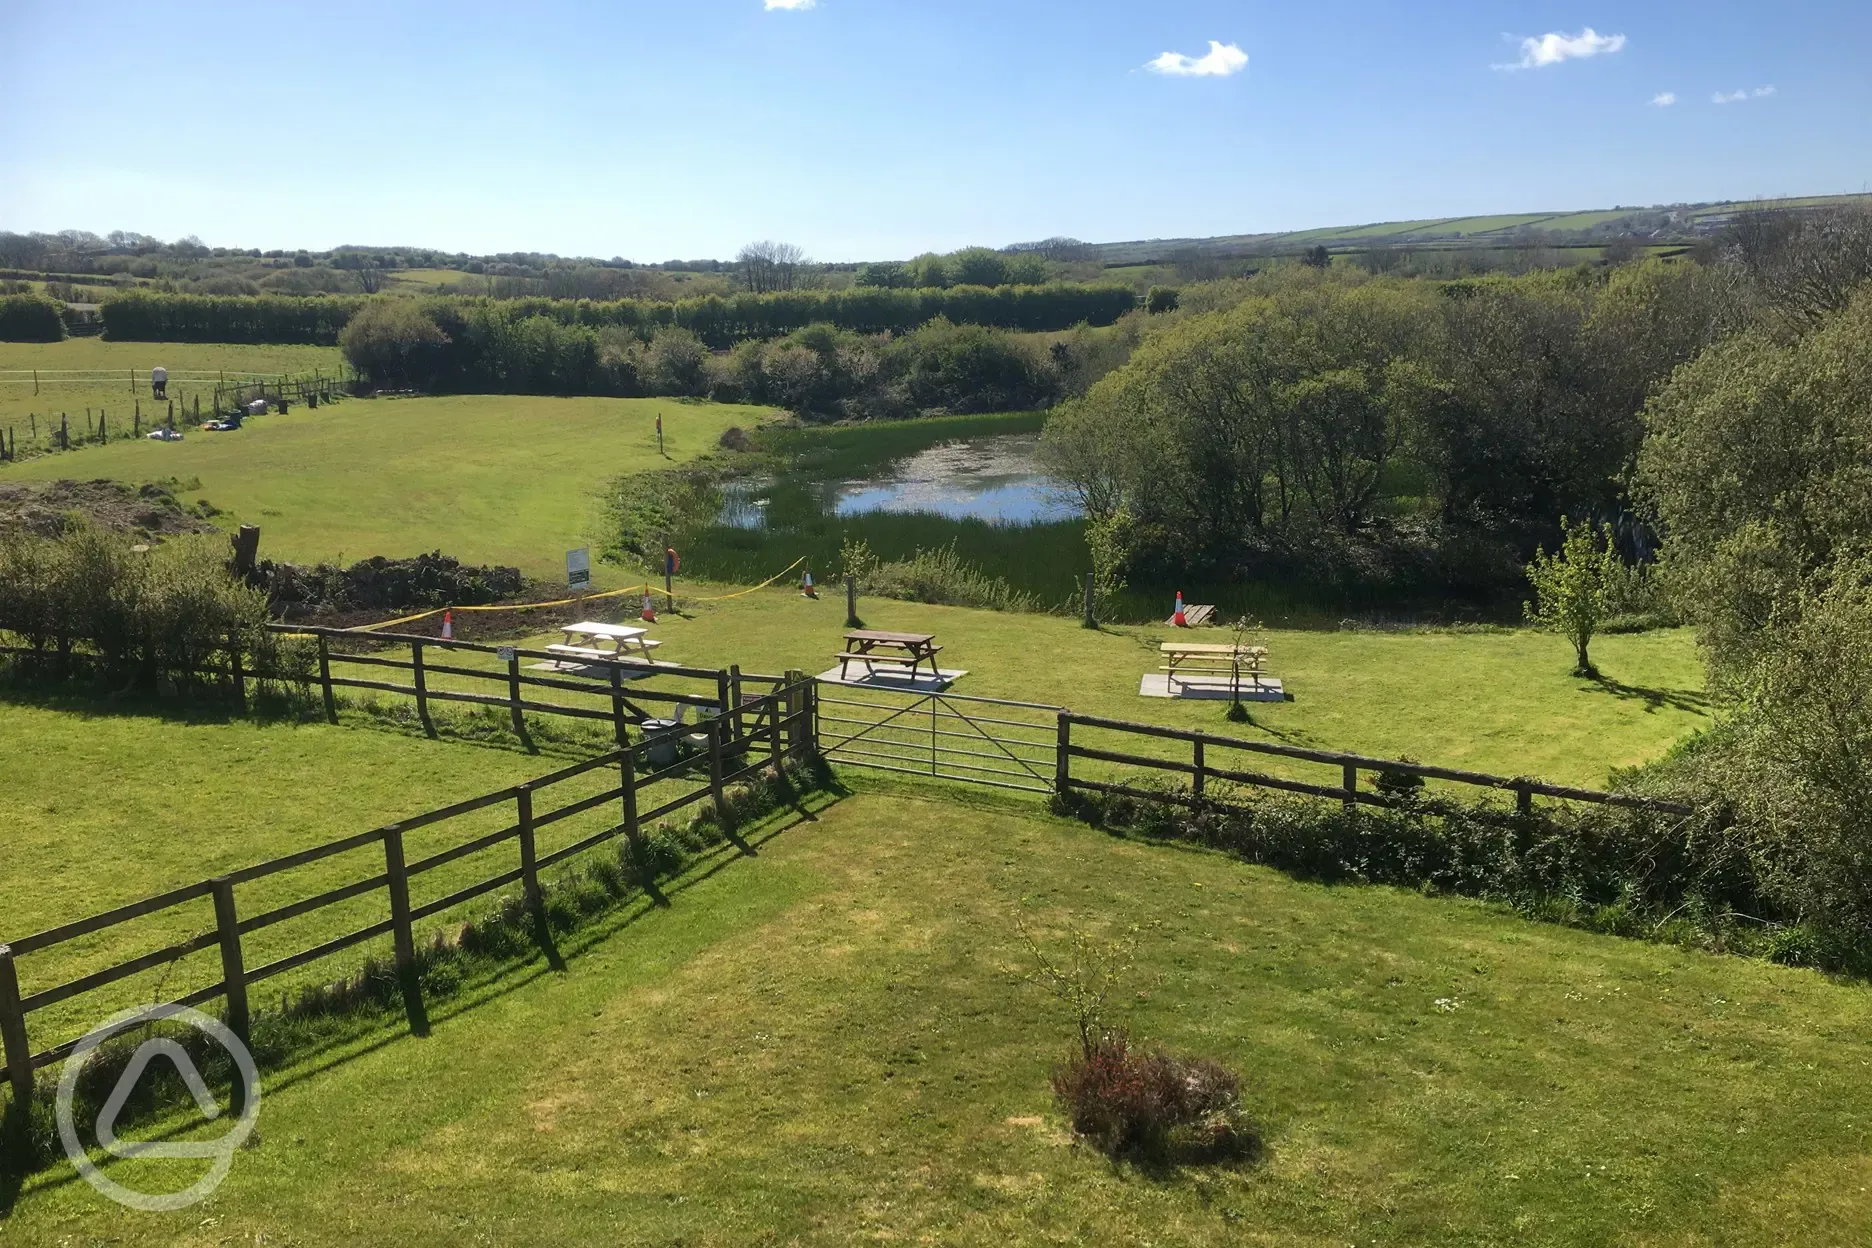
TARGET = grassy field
x,y
1498,700
829,1044
89,372
486,478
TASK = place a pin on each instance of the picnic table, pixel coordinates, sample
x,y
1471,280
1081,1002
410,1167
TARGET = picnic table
x,y
591,640
1190,658
900,650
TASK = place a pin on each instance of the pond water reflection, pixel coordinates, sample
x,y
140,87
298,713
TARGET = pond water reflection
x,y
992,478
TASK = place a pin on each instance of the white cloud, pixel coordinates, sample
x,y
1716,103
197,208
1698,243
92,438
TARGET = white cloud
x,y
1737,97
1664,99
1222,59
791,4
1540,51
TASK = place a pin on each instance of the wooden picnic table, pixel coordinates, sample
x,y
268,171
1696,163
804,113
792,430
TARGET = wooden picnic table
x,y
872,646
588,640
1191,658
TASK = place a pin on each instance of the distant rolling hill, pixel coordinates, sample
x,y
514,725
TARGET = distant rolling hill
x,y
1656,225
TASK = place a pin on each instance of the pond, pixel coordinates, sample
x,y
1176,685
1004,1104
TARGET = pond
x,y
992,477
903,486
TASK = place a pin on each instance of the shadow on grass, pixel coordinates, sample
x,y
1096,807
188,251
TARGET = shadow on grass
x,y
369,1032
1654,699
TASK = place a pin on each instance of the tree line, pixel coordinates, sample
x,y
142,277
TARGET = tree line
x,y
718,321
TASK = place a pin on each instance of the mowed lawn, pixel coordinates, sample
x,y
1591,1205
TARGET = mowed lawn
x,y
509,479
1502,701
81,373
830,1043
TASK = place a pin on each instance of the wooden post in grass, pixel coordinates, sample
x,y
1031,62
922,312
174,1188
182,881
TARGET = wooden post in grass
x,y
513,694
403,934
136,421
1197,777
529,857
794,703
64,433
331,702
1348,779
1088,622
13,1035
617,704
851,603
1062,757
633,833
35,383
737,726
721,695
422,687
234,669
1523,799
233,965
716,794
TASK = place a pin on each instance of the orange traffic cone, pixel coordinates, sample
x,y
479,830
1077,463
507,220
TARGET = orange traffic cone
x,y
806,587
448,626
1177,619
649,612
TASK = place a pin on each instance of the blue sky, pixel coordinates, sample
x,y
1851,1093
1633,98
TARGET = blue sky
x,y
658,129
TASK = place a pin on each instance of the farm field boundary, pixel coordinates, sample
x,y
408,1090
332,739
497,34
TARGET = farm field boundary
x,y
762,733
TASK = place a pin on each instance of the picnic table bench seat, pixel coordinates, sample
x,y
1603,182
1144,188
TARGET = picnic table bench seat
x,y
1209,657
588,652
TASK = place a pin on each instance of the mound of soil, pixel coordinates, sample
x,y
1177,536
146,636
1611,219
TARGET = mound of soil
x,y
148,511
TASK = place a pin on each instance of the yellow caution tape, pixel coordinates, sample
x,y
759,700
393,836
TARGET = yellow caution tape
x,y
566,602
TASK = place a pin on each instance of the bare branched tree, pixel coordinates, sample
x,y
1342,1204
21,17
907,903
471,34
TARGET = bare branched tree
x,y
768,266
1805,262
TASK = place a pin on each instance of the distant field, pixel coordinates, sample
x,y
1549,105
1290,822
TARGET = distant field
x,y
487,478
422,281
114,377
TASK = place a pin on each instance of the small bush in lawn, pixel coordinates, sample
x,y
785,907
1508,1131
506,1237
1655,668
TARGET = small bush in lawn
x,y
1155,1107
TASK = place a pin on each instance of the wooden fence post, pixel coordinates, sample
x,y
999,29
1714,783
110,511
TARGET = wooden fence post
x,y
233,972
529,858
1523,799
776,705
1062,762
513,697
1348,780
1196,780
331,702
617,704
851,603
234,669
422,687
715,771
633,833
795,703
721,694
13,1035
402,933
1089,622
737,726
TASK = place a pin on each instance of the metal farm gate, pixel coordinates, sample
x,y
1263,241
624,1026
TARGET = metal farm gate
x,y
992,741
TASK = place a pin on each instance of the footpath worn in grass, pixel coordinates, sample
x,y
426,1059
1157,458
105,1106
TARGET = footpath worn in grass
x,y
509,479
1496,700
826,1044
69,380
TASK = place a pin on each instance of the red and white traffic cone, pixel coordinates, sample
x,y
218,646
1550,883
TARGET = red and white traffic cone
x,y
448,626
806,588
649,612
1177,619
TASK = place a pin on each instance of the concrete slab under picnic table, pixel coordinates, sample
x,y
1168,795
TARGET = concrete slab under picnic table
x,y
1211,686
897,678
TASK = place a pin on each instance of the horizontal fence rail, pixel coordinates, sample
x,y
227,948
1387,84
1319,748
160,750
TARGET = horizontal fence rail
x,y
1201,768
759,733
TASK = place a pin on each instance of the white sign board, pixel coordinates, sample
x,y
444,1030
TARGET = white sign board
x,y
504,653
578,568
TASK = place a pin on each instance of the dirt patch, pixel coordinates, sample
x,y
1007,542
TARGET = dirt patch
x,y
147,511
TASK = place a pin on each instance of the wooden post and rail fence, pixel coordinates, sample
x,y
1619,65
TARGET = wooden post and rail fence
x,y
783,728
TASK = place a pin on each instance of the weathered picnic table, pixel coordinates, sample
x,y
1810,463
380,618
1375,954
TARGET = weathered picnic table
x,y
588,640
872,647
1187,658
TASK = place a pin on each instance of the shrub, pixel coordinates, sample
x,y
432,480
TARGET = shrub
x,y
1152,1106
940,576
394,342
30,318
